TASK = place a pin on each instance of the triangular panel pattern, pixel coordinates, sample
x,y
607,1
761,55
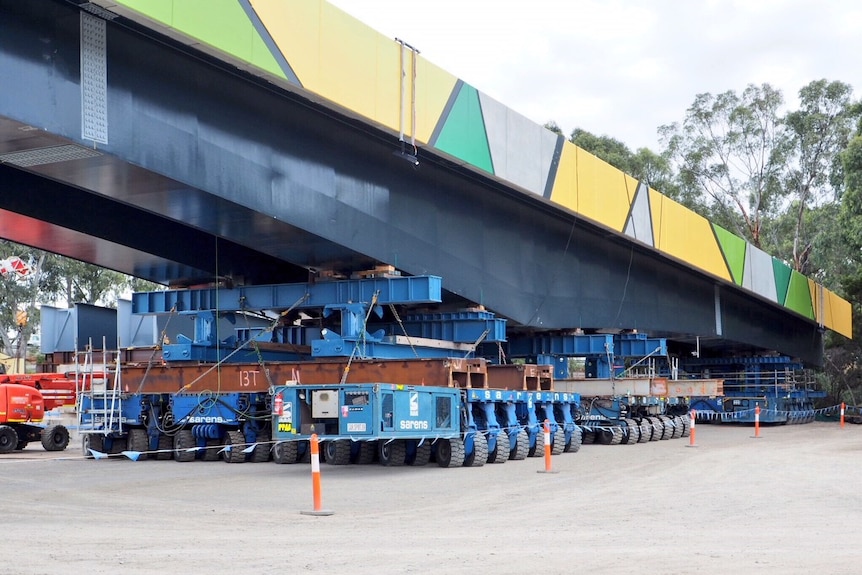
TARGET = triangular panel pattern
x,y
782,279
758,275
639,225
463,131
521,150
799,295
733,248
223,24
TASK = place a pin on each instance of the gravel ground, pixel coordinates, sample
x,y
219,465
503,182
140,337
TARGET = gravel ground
x,y
786,502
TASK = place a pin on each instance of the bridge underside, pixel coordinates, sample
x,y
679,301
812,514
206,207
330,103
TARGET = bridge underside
x,y
211,173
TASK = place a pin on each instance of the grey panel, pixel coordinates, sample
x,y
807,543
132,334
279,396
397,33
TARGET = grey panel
x,y
639,224
758,275
521,150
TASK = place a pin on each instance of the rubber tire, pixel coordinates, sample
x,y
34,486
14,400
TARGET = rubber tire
x,y
392,453
118,445
21,445
577,440
538,450
480,451
262,452
449,452
522,446
500,453
55,438
138,440
236,440
558,441
92,441
645,431
8,439
183,441
285,452
367,452
632,433
212,451
423,454
337,452
166,448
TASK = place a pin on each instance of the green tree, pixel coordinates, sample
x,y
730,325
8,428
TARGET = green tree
x,y
730,148
53,278
818,132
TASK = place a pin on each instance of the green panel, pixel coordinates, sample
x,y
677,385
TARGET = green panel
x,y
222,24
463,135
799,295
733,248
782,280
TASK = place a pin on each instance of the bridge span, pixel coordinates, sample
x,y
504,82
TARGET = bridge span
x,y
262,141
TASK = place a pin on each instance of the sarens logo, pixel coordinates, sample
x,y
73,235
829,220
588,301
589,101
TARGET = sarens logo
x,y
410,424
206,419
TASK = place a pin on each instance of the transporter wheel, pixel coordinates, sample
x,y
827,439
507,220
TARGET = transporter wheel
x,y
392,453
213,449
118,445
655,428
367,452
604,435
138,440
538,450
522,446
686,425
235,440
21,445
631,433
589,435
677,427
183,442
285,452
337,452
480,451
423,454
558,441
261,452
8,439
667,427
166,448
645,430
449,452
94,442
574,445
55,438
500,453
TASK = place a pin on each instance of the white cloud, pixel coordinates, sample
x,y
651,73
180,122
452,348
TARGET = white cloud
x,y
624,68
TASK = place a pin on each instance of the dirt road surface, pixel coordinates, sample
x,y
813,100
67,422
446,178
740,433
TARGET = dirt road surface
x,y
787,502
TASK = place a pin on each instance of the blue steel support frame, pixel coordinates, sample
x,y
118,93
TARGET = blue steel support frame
x,y
394,290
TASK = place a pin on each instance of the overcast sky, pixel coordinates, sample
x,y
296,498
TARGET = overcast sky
x,y
624,68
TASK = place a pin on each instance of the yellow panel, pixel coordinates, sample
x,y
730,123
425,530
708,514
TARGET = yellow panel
x,y
565,190
602,194
295,27
433,86
348,62
841,314
338,57
683,234
832,311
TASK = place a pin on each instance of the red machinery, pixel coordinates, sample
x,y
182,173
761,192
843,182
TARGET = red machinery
x,y
24,399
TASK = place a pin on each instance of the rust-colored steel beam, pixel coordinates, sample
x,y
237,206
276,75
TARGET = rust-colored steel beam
x,y
521,377
229,378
